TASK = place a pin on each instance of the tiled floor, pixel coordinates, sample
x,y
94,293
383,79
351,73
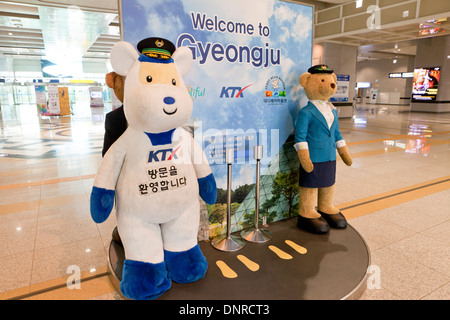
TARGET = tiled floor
x,y
396,194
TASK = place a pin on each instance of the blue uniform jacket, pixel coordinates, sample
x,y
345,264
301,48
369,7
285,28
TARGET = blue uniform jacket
x,y
311,127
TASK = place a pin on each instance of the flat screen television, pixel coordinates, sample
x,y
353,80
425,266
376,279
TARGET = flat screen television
x,y
425,84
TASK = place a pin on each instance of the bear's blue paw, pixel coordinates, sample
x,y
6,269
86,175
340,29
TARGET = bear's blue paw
x,y
208,189
186,266
144,280
102,202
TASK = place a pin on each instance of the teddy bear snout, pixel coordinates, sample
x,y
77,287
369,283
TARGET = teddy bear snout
x,y
169,100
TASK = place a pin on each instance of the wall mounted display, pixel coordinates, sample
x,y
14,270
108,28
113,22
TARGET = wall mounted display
x,y
96,97
425,84
343,86
244,82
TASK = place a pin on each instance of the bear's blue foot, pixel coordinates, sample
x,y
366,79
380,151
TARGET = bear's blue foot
x,y
144,280
186,266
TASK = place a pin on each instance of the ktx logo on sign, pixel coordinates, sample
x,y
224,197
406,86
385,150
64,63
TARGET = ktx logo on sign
x,y
162,155
233,92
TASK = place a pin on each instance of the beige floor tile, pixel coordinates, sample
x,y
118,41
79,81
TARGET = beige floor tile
x,y
379,294
63,200
15,271
404,277
16,195
439,232
52,262
425,250
62,189
75,211
18,235
380,231
442,293
55,230
416,215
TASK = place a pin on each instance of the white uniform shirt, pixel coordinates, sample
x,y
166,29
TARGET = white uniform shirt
x,y
326,109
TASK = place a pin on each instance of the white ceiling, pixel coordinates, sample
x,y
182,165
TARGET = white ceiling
x,y
87,29
58,28
394,38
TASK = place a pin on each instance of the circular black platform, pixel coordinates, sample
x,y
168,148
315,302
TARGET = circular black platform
x,y
334,267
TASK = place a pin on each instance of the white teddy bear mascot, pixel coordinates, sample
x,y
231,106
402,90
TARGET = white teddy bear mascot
x,y
155,172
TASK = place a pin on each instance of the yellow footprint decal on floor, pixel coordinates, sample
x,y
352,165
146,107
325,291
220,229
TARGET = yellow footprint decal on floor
x,y
227,272
280,253
253,266
296,247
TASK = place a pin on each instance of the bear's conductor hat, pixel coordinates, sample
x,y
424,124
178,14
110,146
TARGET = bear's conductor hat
x,y
320,68
156,49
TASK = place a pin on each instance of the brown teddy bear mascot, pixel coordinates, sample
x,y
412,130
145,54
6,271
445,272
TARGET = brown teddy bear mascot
x,y
317,137
115,121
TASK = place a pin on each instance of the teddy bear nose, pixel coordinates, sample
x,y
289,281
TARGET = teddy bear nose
x,y
169,100
333,86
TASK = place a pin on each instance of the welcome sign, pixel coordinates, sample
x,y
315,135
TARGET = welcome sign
x,y
248,57
257,56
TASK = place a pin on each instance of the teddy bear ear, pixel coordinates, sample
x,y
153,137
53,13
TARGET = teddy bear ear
x,y
183,59
334,77
122,57
109,78
304,78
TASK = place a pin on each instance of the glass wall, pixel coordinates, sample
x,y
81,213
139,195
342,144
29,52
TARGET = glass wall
x,y
17,92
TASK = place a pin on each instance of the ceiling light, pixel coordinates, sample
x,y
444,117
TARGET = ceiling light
x,y
395,61
359,3
10,33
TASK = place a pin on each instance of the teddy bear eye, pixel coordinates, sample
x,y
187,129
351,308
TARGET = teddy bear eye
x,y
323,80
149,79
174,82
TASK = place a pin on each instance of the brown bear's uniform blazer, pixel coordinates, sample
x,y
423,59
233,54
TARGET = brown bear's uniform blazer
x,y
115,126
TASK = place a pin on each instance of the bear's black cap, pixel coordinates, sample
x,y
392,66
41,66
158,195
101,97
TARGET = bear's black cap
x,y
156,48
320,68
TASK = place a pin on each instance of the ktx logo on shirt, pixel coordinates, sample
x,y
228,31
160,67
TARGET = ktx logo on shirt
x,y
162,155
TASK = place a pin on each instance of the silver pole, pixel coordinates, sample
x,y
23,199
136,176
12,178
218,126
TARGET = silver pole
x,y
229,200
229,242
255,234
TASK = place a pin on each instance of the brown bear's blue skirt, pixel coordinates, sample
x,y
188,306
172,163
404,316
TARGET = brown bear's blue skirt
x,y
323,175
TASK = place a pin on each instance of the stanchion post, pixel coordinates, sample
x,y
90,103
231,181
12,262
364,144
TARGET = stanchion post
x,y
255,234
228,242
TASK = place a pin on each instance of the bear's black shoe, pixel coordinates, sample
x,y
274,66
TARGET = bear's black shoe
x,y
337,220
315,225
